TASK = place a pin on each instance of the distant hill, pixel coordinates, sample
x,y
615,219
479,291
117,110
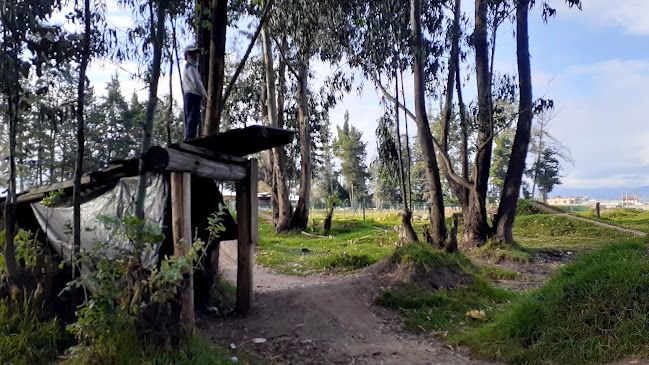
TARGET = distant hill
x,y
602,193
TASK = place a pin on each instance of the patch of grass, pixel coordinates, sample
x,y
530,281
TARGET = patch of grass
x,y
353,245
493,272
524,207
223,294
556,232
28,335
426,309
501,251
347,261
594,311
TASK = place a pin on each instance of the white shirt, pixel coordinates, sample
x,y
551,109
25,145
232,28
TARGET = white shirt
x,y
192,81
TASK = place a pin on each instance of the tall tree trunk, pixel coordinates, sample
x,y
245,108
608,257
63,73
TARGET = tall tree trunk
x,y
170,109
301,215
504,221
476,228
9,249
78,166
280,192
406,219
158,35
437,221
453,64
214,108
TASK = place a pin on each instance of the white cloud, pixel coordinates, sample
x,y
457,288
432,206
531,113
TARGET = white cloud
x,y
630,15
604,123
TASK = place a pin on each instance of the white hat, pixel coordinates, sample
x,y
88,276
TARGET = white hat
x,y
191,49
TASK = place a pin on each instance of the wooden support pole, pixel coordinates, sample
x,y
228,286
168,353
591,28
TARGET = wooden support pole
x,y
182,237
248,225
597,208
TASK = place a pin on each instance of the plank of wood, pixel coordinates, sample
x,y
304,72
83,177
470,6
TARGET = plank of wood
x,y
248,226
181,230
206,152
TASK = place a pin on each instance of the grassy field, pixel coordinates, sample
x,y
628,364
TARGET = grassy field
x,y
354,243
541,231
350,245
637,219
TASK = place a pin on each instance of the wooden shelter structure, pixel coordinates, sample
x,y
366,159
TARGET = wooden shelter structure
x,y
221,157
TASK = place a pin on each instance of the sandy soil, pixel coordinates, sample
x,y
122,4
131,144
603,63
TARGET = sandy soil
x,y
324,319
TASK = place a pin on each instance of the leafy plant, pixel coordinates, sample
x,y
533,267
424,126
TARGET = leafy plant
x,y
123,298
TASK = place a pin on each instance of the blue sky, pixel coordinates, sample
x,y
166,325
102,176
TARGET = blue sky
x,y
593,63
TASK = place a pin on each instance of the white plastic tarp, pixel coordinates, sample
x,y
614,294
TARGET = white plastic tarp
x,y
119,201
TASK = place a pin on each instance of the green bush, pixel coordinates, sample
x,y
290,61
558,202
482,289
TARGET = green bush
x,y
594,311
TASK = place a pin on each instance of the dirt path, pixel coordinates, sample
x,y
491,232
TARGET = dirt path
x,y
553,211
324,319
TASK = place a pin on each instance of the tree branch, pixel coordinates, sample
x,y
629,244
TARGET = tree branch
x,y
447,162
263,21
281,53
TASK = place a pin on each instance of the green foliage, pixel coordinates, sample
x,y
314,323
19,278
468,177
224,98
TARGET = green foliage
x,y
500,163
28,335
125,295
545,171
53,198
594,311
350,149
140,235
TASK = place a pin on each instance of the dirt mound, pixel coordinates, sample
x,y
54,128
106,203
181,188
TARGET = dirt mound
x,y
435,276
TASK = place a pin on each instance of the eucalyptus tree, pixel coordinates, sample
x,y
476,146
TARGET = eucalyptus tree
x,y
301,31
392,36
391,168
27,43
148,34
504,219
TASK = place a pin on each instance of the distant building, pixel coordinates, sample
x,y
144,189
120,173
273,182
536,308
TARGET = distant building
x,y
630,199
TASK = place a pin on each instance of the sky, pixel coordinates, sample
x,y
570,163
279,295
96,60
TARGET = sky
x,y
593,63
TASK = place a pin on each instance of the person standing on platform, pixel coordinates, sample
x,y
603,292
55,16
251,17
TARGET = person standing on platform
x,y
194,93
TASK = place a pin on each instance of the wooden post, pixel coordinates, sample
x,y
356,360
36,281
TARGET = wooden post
x,y
597,208
247,221
182,236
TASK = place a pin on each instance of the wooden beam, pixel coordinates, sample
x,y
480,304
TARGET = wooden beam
x,y
248,226
182,237
206,152
169,159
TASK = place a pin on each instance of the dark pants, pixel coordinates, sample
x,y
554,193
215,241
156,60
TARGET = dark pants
x,y
192,115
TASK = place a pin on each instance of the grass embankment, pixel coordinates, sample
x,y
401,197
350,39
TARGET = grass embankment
x,y
543,231
595,310
427,309
353,245
637,219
